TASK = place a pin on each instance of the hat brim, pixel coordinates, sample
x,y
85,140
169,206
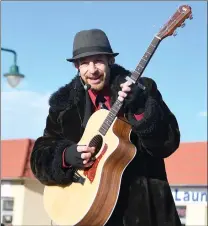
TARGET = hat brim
x,y
90,54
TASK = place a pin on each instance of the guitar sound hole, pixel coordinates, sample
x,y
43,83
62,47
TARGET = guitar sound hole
x,y
96,142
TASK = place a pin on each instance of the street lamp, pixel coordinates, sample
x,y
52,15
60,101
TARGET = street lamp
x,y
13,76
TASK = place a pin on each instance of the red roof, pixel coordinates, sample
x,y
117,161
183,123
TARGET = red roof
x,y
15,158
187,166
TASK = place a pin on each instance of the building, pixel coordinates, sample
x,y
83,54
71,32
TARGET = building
x,y
21,193
187,175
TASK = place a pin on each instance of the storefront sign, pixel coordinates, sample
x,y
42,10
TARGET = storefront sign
x,y
189,195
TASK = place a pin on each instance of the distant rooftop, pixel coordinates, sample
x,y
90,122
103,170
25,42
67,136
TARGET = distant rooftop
x,y
187,166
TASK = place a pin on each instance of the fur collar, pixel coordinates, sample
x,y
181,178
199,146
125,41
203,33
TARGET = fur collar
x,y
70,94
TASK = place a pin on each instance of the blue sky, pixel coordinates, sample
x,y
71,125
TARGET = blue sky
x,y
42,34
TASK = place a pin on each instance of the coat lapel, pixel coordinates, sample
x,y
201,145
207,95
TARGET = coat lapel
x,y
88,110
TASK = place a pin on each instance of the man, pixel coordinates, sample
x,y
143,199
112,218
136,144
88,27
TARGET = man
x,y
145,197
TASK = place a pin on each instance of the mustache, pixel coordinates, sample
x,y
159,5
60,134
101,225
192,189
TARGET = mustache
x,y
92,76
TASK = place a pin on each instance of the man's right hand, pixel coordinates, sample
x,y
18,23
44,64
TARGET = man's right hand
x,y
79,156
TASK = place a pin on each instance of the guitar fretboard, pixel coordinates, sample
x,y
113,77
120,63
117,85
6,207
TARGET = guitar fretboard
x,y
135,75
145,59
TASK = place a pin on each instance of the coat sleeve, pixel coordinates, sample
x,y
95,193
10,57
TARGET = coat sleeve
x,y
46,156
164,139
158,130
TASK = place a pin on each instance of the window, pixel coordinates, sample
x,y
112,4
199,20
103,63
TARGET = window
x,y
7,205
182,213
7,219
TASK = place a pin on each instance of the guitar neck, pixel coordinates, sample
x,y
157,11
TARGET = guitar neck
x,y
145,59
135,75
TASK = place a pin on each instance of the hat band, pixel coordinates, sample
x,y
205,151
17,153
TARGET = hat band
x,y
92,49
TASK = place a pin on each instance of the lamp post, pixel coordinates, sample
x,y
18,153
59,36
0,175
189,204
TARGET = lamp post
x,y
13,76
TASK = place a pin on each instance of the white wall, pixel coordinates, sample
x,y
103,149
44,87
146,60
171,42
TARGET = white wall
x,y
196,214
28,204
34,213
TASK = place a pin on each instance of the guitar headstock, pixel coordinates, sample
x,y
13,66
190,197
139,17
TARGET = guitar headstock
x,y
177,20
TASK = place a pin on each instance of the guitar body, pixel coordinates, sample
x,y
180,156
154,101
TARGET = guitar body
x,y
92,202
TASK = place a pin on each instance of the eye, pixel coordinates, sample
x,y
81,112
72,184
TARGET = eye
x,y
99,61
84,63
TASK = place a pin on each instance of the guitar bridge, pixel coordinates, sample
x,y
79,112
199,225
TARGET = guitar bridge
x,y
77,178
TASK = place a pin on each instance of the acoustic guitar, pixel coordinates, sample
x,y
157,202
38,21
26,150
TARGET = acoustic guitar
x,y
92,197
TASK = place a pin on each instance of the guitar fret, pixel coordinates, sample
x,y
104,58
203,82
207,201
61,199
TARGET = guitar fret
x,y
102,131
116,108
111,116
136,72
150,47
134,76
108,122
139,70
144,59
110,119
142,63
146,56
113,111
105,126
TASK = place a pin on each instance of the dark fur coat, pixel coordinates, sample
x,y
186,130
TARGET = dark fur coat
x,y
145,198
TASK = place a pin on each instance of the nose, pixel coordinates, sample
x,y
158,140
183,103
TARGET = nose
x,y
92,68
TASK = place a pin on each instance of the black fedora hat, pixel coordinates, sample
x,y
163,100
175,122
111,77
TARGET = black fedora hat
x,y
91,42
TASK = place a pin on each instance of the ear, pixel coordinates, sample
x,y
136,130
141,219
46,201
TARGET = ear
x,y
111,60
76,65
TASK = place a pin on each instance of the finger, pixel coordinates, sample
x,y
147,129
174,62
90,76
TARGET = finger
x,y
127,83
85,161
88,164
121,99
88,160
86,155
91,150
126,89
85,148
122,94
81,148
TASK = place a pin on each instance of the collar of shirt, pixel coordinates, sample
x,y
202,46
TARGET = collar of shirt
x,y
105,93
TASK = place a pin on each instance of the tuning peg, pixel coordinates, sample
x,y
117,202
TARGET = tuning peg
x,y
174,33
183,25
190,17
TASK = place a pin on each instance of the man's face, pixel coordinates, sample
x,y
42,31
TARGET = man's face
x,y
94,70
